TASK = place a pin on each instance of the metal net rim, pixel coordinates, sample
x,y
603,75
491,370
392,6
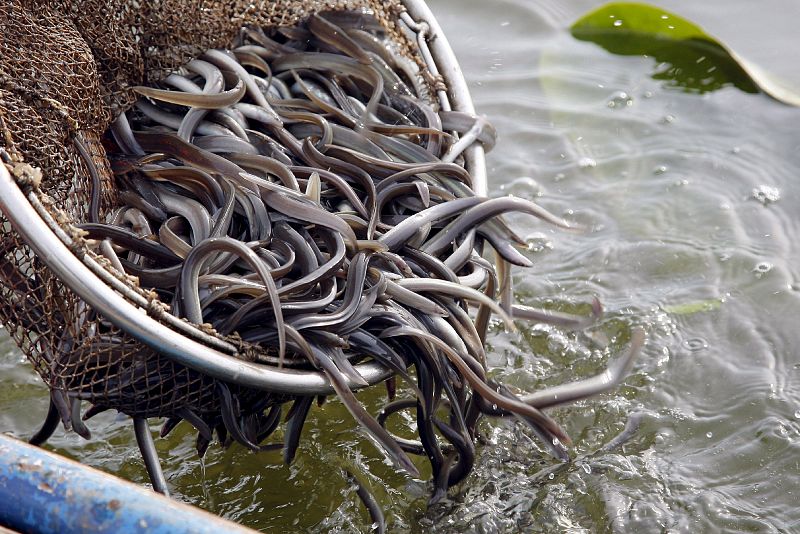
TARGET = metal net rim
x,y
140,314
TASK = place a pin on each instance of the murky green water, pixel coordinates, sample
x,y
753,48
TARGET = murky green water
x,y
693,204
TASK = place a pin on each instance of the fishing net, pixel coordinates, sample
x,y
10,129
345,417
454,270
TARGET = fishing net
x,y
70,73
66,69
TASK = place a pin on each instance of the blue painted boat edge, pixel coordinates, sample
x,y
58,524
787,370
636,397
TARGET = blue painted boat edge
x,y
44,493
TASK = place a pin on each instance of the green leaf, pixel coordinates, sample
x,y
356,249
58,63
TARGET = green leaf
x,y
690,308
689,57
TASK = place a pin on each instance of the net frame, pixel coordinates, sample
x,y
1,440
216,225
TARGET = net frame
x,y
139,315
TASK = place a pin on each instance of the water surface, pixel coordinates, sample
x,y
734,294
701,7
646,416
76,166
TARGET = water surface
x,y
692,206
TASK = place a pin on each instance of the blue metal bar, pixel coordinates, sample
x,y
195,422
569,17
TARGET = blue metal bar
x,y
46,493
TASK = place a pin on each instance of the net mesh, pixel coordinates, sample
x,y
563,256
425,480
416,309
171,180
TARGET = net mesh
x,y
66,68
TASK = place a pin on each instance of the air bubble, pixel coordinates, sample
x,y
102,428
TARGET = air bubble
x,y
695,344
762,268
766,194
538,242
661,169
620,99
524,186
709,435
587,163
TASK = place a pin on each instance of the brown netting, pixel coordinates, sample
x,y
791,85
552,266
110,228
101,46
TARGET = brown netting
x,y
65,72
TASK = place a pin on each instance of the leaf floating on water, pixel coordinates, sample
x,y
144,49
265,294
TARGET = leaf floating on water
x,y
693,59
690,308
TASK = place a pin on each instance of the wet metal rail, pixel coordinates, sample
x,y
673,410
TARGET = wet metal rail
x,y
46,493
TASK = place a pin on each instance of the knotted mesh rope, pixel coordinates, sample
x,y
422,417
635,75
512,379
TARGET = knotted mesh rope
x,y
66,69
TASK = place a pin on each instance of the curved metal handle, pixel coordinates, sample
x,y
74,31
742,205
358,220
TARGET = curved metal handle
x,y
53,250
135,321
457,90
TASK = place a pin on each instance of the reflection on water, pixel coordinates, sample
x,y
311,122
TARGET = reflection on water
x,y
692,204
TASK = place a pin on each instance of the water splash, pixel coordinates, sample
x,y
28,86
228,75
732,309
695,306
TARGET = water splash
x,y
766,194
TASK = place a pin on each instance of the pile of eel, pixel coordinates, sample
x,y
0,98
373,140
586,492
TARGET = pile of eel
x,y
300,192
